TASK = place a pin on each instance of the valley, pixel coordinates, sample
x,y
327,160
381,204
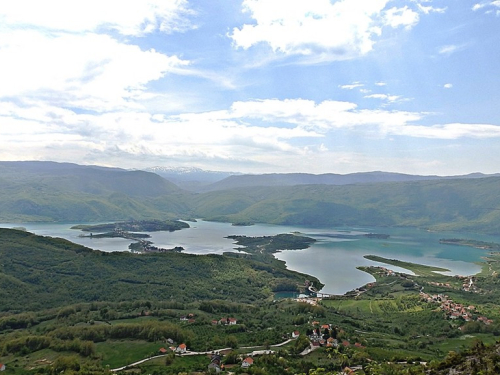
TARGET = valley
x,y
398,288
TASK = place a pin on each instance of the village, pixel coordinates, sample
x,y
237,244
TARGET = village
x,y
318,334
454,310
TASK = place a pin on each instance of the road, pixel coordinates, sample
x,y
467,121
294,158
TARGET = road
x,y
189,353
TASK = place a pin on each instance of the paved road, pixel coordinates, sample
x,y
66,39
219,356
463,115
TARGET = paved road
x,y
192,353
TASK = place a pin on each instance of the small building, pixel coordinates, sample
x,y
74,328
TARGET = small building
x,y
295,334
181,348
162,350
247,362
215,363
2,367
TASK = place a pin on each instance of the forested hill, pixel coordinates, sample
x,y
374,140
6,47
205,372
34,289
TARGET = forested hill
x,y
43,272
461,204
48,191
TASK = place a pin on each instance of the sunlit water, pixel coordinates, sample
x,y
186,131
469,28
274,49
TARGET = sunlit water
x,y
332,260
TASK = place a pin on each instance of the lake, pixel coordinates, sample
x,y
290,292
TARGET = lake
x,y
333,260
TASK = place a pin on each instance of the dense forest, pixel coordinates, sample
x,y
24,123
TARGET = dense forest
x,y
42,272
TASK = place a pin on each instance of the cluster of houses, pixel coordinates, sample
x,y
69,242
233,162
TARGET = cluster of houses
x,y
223,321
454,310
325,335
442,285
179,349
187,319
468,284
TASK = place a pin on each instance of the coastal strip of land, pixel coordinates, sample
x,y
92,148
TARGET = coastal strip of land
x,y
417,269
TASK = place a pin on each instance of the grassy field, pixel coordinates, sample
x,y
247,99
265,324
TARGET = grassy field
x,y
401,303
461,343
120,353
179,365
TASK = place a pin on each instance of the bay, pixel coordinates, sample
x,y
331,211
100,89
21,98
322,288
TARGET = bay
x,y
333,260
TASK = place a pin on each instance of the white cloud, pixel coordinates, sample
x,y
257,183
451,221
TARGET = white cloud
x,y
136,17
448,131
327,30
250,131
89,71
406,17
488,4
59,52
448,85
386,97
351,86
450,49
430,9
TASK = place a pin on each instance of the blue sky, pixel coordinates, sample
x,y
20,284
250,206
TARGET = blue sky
x,y
254,86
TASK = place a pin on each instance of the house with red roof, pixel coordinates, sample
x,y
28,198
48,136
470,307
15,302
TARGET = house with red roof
x,y
181,348
295,334
2,367
247,362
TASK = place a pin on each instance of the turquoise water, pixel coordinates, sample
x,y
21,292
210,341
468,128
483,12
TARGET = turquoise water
x,y
332,260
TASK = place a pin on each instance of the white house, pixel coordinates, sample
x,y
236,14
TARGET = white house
x,y
181,348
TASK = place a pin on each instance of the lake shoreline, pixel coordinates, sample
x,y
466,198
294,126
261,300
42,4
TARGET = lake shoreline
x,y
331,259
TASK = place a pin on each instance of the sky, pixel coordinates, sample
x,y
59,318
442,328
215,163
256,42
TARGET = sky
x,y
253,86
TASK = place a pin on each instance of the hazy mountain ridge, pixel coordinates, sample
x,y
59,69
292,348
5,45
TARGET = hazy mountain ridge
x,y
292,179
190,178
39,191
51,191
455,204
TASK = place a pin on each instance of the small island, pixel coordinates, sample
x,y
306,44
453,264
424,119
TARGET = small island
x,y
135,226
272,244
242,223
127,230
471,243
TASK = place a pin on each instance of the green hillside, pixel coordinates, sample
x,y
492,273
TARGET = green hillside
x,y
45,191
43,272
462,204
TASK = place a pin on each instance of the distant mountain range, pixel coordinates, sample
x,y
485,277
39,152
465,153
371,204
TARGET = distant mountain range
x,y
48,191
190,178
234,181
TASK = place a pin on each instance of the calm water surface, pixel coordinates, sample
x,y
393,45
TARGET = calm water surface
x,y
332,260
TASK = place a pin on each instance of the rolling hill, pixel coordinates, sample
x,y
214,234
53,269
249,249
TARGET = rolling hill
x,y
455,204
48,191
